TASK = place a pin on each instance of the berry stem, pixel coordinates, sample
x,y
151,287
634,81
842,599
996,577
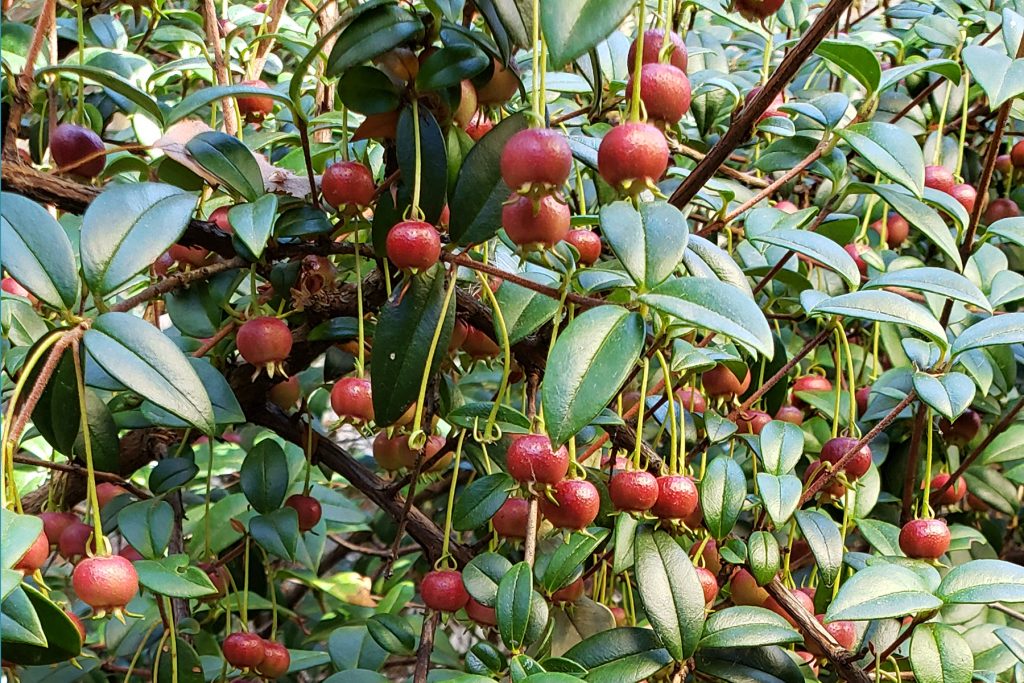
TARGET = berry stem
x,y
361,353
851,377
94,503
638,61
417,439
937,154
344,132
244,609
642,400
838,360
80,104
533,513
673,427
535,94
416,213
926,511
963,126
206,506
499,319
665,11
309,456
445,555
172,634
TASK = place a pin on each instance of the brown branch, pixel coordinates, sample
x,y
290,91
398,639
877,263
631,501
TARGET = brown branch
x,y
82,472
213,35
744,123
426,647
275,11
176,281
913,455
724,169
20,97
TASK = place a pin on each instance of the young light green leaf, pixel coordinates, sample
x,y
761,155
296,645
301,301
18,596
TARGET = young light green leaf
x,y
854,59
780,495
782,445
938,654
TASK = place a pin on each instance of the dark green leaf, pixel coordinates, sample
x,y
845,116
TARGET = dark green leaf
x,y
764,558
189,668
227,159
20,622
277,532
478,502
469,415
782,445
482,575
253,222
891,150
854,59
822,535
515,592
769,664
264,476
621,655
37,252
62,640
650,242
451,65
433,170
368,90
172,473
393,633
885,307
568,559
816,247
18,532
572,27
670,591
112,82
174,577
371,34
335,329
995,331
747,627
722,492
525,310
147,526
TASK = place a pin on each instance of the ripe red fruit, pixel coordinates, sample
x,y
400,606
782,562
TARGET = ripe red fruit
x,y
855,251
861,397
963,429
435,443
393,453
529,222
347,183
576,505
1001,208
73,540
255,107
570,593
664,91
790,414
691,399
70,144
708,583
677,497
478,345
752,421
924,539
536,157
712,560
721,382
54,524
479,126
619,614
195,257
35,557
219,217
286,394
243,650
588,243
308,509
632,156
107,492
757,10
772,109
1004,164
481,614
413,245
467,104
966,195
107,584
531,458
653,40
511,518
804,600
897,229
845,633
633,490
809,383
951,496
79,625
351,398
836,448
219,577
501,87
442,590
786,206
276,660
1017,155
11,286
129,553
939,178
744,590
264,342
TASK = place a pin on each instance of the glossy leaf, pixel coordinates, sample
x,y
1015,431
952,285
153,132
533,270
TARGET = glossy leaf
x,y
205,96
572,27
277,532
825,541
649,243
253,222
670,591
995,331
882,591
392,633
747,627
705,259
933,280
886,307
482,575
1000,77
782,445
37,252
949,395
515,592
569,557
449,66
854,59
765,561
433,169
19,532
891,150
61,639
372,33
227,159
112,82
525,310
816,247
621,655
722,492
938,654
983,581
780,495
147,526
174,577
368,90
478,502
264,476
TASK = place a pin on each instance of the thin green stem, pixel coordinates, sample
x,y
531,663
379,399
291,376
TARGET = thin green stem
x,y
174,640
99,542
418,439
206,506
674,427
361,353
645,365
937,154
638,62
506,348
839,385
451,500
851,377
963,126
538,110
418,157
925,508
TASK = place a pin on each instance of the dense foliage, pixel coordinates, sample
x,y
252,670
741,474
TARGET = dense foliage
x,y
529,340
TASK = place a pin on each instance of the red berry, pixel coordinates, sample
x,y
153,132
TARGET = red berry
x,y
786,206
479,126
939,178
790,414
619,614
897,229
393,453
632,156
243,650
54,524
195,257
924,539
664,91
1017,155
708,583
757,10
308,509
1004,164
129,553
219,577
285,395
536,156
633,490
845,633
511,518
413,245
963,429
804,600
835,449
442,590
809,383
531,458
752,421
528,222
966,195
35,557
107,492
677,497
434,444
481,614
70,144
501,87
772,109
107,584
952,495
855,251
721,382
351,398
861,397
73,540
744,590
1001,208
588,243
708,554
348,183
576,505
691,399
255,107
653,40
79,625
479,345
276,660
264,341
570,593
11,286
219,217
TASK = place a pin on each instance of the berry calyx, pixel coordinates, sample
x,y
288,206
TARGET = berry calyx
x,y
896,229
276,660
71,144
264,342
633,490
107,584
952,495
536,161
576,505
856,466
255,107
653,40
677,497
442,590
721,382
708,584
924,539
632,157
532,223
35,557
352,399
664,91
308,509
511,518
243,650
348,184
531,458
587,243
413,245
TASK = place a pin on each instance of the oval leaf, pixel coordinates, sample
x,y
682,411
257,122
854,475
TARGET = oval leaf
x,y
37,252
747,627
650,242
